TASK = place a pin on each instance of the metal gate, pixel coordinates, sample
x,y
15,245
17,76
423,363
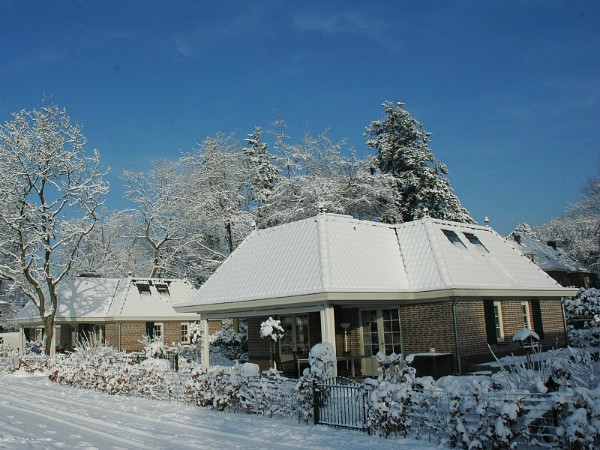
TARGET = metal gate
x,y
340,402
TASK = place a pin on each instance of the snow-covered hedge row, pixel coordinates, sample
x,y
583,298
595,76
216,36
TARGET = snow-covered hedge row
x,y
241,388
499,410
108,370
583,318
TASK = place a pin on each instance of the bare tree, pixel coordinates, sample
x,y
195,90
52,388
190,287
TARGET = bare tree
x,y
50,190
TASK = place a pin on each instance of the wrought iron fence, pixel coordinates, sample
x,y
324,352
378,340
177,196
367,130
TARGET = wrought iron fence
x,y
340,402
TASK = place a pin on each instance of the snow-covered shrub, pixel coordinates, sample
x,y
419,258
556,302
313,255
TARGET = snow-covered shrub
x,y
214,388
9,359
231,344
582,314
194,333
34,347
154,347
271,328
322,360
390,396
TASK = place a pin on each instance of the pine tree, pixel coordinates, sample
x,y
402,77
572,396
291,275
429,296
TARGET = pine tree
x,y
402,146
263,172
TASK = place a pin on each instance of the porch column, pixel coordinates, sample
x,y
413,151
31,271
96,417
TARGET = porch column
x,y
205,343
328,330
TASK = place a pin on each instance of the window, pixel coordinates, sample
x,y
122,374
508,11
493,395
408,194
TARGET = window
x,y
493,321
381,332
453,237
143,288
162,288
296,335
476,242
154,330
498,322
526,315
185,339
158,330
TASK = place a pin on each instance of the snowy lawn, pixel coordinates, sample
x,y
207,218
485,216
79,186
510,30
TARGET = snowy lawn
x,y
38,414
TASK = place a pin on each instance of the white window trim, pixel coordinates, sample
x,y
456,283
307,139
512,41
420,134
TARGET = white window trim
x,y
526,315
159,326
186,339
500,323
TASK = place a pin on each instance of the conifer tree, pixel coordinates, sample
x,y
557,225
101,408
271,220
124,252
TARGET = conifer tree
x,y
402,146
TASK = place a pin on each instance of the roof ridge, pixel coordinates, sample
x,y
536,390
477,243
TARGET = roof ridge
x,y
323,250
437,254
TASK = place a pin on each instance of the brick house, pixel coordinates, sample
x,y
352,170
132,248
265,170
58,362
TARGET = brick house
x,y
553,260
440,290
115,311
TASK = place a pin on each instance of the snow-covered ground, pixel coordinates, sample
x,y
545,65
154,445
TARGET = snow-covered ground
x,y
38,414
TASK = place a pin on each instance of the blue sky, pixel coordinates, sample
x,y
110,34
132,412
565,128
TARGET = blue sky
x,y
509,89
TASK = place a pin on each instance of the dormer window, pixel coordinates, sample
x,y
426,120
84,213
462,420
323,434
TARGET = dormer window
x,y
143,288
476,242
162,288
453,237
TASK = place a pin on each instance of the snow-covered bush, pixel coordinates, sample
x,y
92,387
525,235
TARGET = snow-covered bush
x,y
271,328
322,360
154,347
390,396
240,388
231,344
194,333
212,388
583,318
34,347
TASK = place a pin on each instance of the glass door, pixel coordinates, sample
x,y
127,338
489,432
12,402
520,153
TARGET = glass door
x,y
380,333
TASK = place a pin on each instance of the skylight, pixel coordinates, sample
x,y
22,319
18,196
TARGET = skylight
x,y
143,288
476,242
453,237
163,289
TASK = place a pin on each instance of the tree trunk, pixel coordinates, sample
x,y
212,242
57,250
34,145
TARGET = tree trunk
x,y
48,334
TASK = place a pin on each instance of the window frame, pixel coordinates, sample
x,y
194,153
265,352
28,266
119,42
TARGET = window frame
x,y
498,321
526,315
185,338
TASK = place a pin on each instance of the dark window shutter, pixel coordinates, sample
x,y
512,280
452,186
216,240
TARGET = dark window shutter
x,y
490,321
538,325
150,329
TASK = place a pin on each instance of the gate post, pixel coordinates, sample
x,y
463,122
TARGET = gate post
x,y
316,403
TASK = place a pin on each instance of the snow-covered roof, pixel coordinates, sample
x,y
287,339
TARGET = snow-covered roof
x,y
106,299
333,253
547,257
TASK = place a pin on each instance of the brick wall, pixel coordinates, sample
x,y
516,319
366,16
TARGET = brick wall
x,y
133,332
427,325
554,328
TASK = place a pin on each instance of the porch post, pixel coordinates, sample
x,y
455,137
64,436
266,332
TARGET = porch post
x,y
328,330
205,343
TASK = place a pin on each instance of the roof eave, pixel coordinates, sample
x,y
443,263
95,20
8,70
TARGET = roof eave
x,y
315,302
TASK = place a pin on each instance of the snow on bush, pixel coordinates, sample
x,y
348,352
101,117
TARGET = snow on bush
x,y
390,396
240,388
154,347
271,328
321,360
583,318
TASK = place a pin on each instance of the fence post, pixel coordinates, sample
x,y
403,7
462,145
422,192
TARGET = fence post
x,y
316,403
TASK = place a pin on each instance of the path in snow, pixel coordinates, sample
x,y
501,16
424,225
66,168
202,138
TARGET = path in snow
x,y
38,414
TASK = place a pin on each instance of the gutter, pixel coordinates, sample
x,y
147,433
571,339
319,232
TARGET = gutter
x,y
456,342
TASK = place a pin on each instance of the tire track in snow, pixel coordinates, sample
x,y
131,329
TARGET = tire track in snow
x,y
180,435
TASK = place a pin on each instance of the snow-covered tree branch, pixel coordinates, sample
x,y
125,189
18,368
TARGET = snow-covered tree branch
x,y
50,191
